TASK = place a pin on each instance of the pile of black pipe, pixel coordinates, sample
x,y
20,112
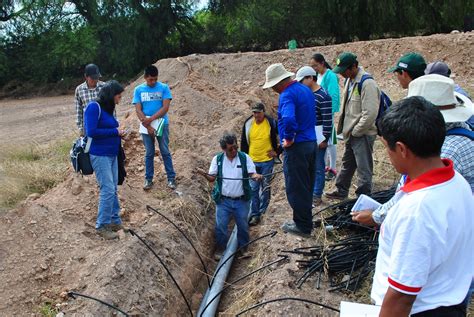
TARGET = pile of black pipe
x,y
348,261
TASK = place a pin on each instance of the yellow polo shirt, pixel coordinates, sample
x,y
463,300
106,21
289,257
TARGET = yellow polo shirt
x,y
259,139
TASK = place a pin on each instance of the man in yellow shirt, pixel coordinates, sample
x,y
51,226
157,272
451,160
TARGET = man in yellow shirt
x,y
259,141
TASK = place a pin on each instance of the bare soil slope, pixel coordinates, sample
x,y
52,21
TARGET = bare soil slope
x,y
48,245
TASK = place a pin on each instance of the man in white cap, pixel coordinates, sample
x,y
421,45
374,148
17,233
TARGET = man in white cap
x,y
296,121
308,77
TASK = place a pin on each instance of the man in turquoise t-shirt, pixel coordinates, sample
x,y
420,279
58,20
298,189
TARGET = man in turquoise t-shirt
x,y
152,101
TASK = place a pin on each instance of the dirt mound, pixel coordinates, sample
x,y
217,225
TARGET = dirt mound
x,y
48,245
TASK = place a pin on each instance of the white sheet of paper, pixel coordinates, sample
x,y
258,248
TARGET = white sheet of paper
x,y
319,134
365,202
349,309
143,130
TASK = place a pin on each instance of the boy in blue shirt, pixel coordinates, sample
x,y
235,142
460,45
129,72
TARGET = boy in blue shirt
x,y
152,100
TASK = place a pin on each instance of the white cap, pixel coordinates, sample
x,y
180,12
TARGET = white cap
x,y
274,74
439,90
304,72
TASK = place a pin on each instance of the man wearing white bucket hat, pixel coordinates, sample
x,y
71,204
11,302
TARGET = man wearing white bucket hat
x,y
458,145
296,121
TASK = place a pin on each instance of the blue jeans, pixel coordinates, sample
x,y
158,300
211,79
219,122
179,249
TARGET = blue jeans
x,y
224,210
106,173
320,178
299,170
163,141
261,189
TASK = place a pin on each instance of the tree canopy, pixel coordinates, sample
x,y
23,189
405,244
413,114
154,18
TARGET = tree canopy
x,y
51,41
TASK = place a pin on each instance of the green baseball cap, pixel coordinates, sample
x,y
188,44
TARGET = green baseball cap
x,y
344,61
413,62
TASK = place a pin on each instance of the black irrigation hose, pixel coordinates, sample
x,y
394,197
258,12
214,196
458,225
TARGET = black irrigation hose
x,y
286,298
133,233
187,239
243,178
74,294
272,234
282,257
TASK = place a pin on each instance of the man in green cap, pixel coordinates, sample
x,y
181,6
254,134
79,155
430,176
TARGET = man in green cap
x,y
360,102
409,67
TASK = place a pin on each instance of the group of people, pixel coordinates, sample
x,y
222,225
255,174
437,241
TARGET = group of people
x,y
95,103
424,264
425,261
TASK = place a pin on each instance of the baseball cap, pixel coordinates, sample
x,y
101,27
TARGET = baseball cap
x,y
92,71
258,107
344,61
304,72
439,68
412,62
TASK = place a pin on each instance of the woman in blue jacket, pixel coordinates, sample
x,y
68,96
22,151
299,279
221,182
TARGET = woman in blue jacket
x,y
328,80
102,127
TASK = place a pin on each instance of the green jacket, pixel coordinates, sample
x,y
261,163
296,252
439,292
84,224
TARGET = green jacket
x,y
217,190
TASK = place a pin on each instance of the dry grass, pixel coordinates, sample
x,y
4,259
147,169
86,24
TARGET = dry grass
x,y
27,169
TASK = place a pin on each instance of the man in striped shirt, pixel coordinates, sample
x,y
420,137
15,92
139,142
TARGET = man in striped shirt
x,y
308,77
86,92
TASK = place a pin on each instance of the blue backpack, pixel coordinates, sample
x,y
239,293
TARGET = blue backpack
x,y
462,132
385,101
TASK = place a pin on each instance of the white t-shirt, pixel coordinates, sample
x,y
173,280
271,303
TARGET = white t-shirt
x,y
426,241
232,169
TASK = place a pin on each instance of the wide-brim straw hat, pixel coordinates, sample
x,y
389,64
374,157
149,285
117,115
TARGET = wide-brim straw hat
x,y
439,90
274,74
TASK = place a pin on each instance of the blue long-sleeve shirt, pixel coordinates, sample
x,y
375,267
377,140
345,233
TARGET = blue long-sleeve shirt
x,y
296,114
101,126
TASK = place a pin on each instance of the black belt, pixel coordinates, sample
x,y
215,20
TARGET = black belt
x,y
234,198
446,311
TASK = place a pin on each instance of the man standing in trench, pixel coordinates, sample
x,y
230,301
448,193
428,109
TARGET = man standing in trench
x,y
296,121
231,171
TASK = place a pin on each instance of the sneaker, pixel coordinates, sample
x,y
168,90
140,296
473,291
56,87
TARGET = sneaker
x,y
115,227
330,175
106,233
317,201
336,194
293,229
172,184
148,184
254,220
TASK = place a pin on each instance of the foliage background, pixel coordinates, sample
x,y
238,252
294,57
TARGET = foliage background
x,y
49,42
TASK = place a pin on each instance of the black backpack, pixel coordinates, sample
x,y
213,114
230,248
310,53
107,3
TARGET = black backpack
x,y
80,159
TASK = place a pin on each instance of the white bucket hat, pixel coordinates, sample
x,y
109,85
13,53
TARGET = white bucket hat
x,y
274,74
304,71
439,90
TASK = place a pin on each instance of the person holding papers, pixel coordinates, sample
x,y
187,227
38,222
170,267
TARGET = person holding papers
x,y
308,77
152,101
424,264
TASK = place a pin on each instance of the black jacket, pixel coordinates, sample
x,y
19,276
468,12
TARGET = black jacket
x,y
244,142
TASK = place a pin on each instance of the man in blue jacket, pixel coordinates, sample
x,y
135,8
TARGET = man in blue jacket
x,y
296,121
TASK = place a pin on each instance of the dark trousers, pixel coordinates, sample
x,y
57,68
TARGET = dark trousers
x,y
445,311
299,169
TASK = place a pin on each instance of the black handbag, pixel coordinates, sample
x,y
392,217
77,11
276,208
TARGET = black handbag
x,y
80,159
